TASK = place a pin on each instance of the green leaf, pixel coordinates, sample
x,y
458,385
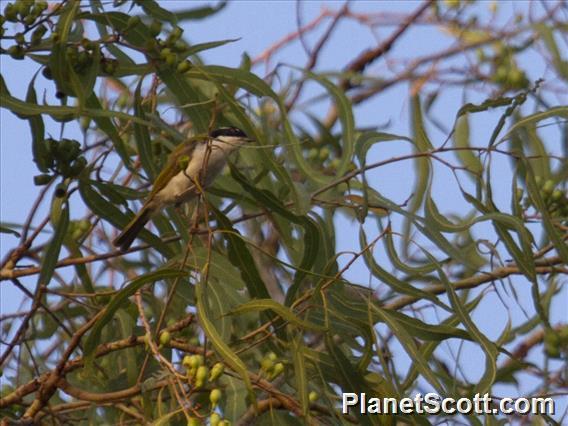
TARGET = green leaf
x,y
422,145
5,230
424,331
281,310
113,215
464,154
51,255
196,48
347,375
118,301
345,114
263,157
59,62
428,348
240,257
551,231
105,124
228,355
188,96
547,35
153,9
28,109
486,345
37,127
200,12
142,136
300,374
311,231
368,139
406,340
234,404
560,111
392,281
484,106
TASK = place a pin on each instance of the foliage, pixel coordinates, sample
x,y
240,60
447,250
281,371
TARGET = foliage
x,y
241,307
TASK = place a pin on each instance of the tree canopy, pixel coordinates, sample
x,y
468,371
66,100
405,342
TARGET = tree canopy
x,y
338,253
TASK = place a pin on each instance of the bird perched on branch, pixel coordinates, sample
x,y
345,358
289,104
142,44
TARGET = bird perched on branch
x,y
193,165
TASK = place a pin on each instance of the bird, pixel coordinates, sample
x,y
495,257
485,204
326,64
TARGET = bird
x,y
194,163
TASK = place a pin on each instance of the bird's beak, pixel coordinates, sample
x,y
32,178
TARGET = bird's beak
x,y
249,140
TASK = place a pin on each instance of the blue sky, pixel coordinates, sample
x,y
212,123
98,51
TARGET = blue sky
x,y
259,24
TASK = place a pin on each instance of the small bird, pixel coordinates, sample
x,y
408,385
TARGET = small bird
x,y
199,159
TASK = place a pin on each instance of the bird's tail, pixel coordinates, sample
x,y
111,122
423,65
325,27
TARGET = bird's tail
x,y
129,233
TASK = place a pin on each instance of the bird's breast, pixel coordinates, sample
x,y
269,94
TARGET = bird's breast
x,y
204,166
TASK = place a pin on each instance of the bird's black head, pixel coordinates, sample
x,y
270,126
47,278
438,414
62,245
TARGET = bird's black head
x,y
227,131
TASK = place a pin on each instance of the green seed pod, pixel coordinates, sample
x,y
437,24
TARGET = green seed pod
x,y
334,164
165,337
109,66
215,397
171,59
186,361
165,52
548,187
201,373
180,46
214,419
84,225
40,180
42,5
538,181
36,11
11,13
51,145
517,78
556,195
155,28
16,52
277,370
83,61
552,343
195,361
324,153
216,371
501,74
60,190
266,364
24,7
38,34
192,421
19,38
68,150
78,166
176,33
183,66
313,396
30,19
